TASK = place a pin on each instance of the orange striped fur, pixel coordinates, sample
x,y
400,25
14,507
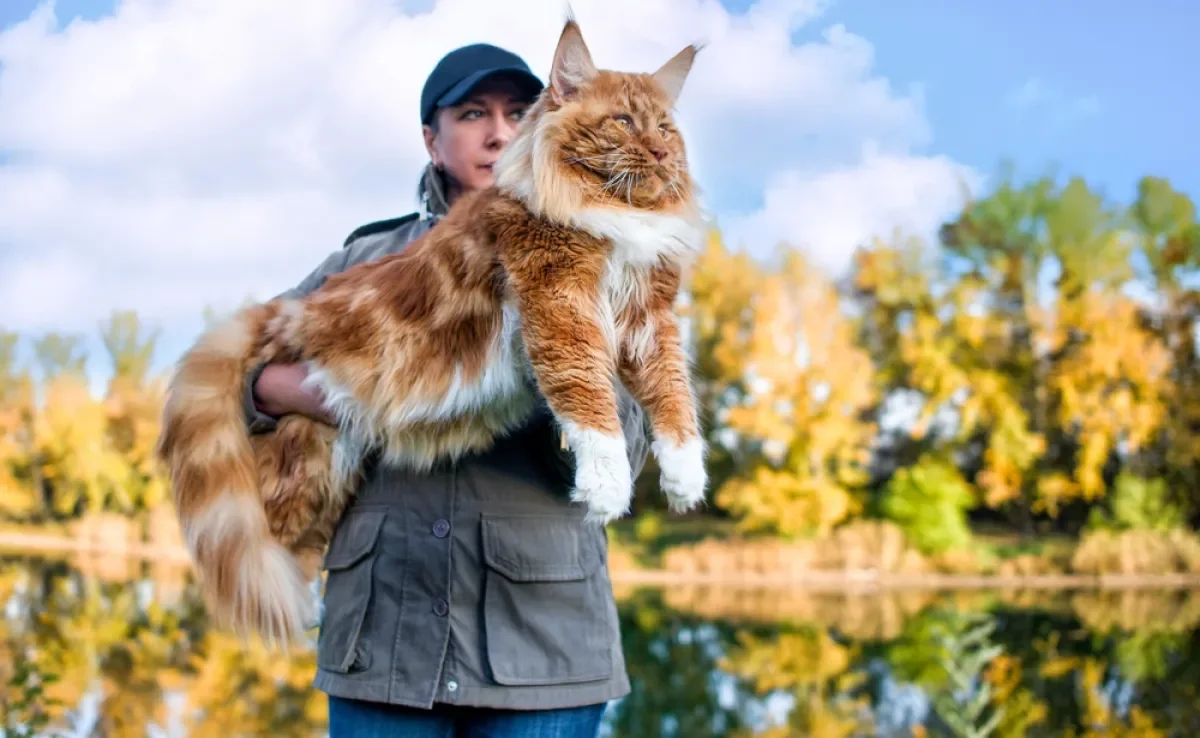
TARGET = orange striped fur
x,y
561,278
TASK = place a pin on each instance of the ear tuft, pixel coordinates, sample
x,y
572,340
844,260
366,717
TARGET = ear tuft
x,y
572,66
672,75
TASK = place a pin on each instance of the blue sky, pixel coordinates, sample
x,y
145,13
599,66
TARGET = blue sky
x,y
16,10
1123,104
1104,88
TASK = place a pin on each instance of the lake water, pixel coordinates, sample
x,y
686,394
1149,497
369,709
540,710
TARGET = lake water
x,y
128,645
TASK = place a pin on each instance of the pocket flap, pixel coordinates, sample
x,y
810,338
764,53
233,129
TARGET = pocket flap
x,y
538,548
355,538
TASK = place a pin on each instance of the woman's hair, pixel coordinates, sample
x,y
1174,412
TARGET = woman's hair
x,y
431,190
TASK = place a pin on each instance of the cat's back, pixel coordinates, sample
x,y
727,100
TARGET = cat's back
x,y
451,263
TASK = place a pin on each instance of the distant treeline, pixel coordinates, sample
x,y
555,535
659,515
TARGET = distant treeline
x,y
1036,368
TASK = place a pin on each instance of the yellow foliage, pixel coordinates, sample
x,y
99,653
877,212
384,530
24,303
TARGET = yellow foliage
x,y
1021,707
788,660
807,386
813,667
16,416
951,371
1098,716
61,447
787,503
70,438
1111,387
133,410
718,319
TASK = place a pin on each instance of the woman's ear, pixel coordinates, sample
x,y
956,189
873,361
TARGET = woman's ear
x,y
431,148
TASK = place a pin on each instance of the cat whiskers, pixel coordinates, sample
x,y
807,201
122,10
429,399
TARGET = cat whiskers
x,y
616,164
591,162
675,183
622,176
627,177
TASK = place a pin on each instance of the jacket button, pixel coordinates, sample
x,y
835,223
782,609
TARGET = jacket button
x,y
441,528
440,607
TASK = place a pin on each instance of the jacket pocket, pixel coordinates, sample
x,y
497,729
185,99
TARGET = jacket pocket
x,y
350,563
547,610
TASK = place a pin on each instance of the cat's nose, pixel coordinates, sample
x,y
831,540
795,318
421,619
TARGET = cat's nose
x,y
659,154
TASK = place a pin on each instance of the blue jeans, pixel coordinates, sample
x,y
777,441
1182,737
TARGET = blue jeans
x,y
357,719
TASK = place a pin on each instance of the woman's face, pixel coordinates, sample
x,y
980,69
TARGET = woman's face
x,y
471,135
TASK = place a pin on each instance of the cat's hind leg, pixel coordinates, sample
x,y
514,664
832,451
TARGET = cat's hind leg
x,y
432,398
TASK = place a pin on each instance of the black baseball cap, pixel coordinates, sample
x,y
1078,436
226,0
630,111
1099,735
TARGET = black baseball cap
x,y
462,69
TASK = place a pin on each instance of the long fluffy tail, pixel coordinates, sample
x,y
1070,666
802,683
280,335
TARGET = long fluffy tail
x,y
253,583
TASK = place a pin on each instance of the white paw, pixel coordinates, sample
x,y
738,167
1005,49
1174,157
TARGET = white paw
x,y
683,478
603,478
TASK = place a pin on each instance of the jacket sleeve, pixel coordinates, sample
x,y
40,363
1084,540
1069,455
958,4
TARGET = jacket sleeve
x,y
635,427
256,420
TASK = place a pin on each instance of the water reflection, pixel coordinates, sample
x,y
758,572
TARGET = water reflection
x,y
123,649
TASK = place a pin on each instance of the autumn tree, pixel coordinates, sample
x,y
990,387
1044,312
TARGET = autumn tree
x,y
805,392
1014,339
1167,238
65,450
133,405
18,476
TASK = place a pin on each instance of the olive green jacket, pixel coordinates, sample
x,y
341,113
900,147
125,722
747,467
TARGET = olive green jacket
x,y
477,584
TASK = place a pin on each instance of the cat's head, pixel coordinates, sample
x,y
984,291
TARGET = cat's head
x,y
601,138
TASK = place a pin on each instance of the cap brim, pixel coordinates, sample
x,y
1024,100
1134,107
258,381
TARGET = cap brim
x,y
459,92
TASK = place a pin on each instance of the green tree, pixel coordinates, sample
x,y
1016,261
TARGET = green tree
x,y
929,502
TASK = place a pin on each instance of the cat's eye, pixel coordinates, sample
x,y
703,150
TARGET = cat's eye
x,y
625,121
664,129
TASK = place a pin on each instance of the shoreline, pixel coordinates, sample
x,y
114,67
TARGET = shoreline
x,y
34,543
831,581
869,581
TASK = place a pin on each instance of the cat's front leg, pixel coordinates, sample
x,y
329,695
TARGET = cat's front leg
x,y
603,476
574,371
654,368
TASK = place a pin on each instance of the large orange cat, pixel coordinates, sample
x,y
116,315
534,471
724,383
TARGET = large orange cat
x,y
562,277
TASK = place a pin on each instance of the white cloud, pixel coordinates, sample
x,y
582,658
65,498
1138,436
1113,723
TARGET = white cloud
x,y
180,153
829,213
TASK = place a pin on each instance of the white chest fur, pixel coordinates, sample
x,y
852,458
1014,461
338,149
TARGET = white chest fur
x,y
639,240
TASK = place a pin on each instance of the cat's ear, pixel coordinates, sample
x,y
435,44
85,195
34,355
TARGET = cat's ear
x,y
672,74
572,66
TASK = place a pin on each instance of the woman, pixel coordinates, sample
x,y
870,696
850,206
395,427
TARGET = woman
x,y
471,601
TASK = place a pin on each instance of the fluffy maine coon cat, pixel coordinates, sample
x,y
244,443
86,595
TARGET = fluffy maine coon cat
x,y
563,275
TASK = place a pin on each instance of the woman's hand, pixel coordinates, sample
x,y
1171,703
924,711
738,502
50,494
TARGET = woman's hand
x,y
278,392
